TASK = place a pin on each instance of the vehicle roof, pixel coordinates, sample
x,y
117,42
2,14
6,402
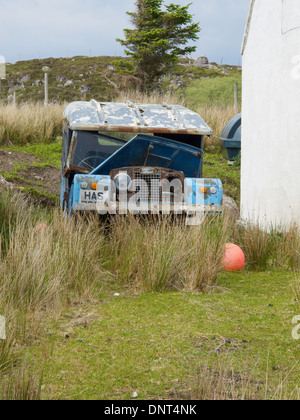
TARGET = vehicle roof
x,y
136,118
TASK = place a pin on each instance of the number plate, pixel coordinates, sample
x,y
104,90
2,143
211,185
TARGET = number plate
x,y
94,197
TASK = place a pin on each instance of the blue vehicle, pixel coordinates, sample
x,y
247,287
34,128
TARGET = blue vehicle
x,y
139,158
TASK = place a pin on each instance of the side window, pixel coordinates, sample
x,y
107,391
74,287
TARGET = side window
x,y
290,15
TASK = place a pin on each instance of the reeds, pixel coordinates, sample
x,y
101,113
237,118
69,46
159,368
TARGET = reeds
x,y
30,123
166,253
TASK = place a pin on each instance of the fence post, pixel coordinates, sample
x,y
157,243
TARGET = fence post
x,y
46,90
236,97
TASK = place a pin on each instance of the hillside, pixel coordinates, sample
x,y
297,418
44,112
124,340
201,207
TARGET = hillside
x,y
81,78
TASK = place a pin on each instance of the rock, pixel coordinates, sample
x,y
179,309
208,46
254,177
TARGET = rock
x,y
61,78
84,89
24,78
230,206
46,69
225,71
177,81
14,88
201,62
36,83
110,67
6,185
69,83
135,395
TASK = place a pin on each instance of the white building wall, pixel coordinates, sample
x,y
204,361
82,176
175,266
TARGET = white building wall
x,y
270,190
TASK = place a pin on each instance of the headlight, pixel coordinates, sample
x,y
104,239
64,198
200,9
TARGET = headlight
x,y
84,185
122,181
213,190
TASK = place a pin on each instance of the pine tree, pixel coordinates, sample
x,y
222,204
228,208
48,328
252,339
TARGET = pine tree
x,y
158,39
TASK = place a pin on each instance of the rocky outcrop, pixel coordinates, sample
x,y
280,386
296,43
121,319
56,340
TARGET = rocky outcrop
x,y
69,83
231,207
84,89
14,88
202,62
61,78
225,71
24,79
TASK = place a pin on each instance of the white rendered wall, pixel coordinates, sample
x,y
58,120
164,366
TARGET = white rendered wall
x,y
270,191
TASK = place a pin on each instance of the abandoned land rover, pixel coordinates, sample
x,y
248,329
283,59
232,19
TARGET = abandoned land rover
x,y
137,158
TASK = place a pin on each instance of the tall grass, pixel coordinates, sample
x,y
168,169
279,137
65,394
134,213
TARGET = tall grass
x,y
263,250
221,382
46,262
30,123
216,117
166,254
21,386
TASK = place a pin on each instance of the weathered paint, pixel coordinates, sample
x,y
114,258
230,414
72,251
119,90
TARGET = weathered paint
x,y
136,118
105,181
194,196
163,153
193,199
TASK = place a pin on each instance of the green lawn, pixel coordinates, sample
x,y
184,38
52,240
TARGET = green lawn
x,y
154,343
218,91
46,153
215,166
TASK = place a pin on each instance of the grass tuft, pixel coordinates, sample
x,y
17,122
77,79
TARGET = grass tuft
x,y
30,123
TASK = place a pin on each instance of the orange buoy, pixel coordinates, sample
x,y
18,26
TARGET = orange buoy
x,y
234,258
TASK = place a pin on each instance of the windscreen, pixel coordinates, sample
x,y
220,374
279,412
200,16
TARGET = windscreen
x,y
150,151
92,149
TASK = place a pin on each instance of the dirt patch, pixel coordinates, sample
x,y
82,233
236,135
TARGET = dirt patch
x,y
29,173
8,160
43,179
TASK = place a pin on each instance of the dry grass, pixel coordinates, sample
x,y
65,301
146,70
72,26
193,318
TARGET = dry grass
x,y
21,386
153,98
222,383
46,262
42,260
267,249
166,254
34,123
30,123
258,247
216,117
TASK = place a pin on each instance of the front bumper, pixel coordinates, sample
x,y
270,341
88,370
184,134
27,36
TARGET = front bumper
x,y
193,199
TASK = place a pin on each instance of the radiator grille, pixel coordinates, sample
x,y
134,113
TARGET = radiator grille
x,y
150,189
